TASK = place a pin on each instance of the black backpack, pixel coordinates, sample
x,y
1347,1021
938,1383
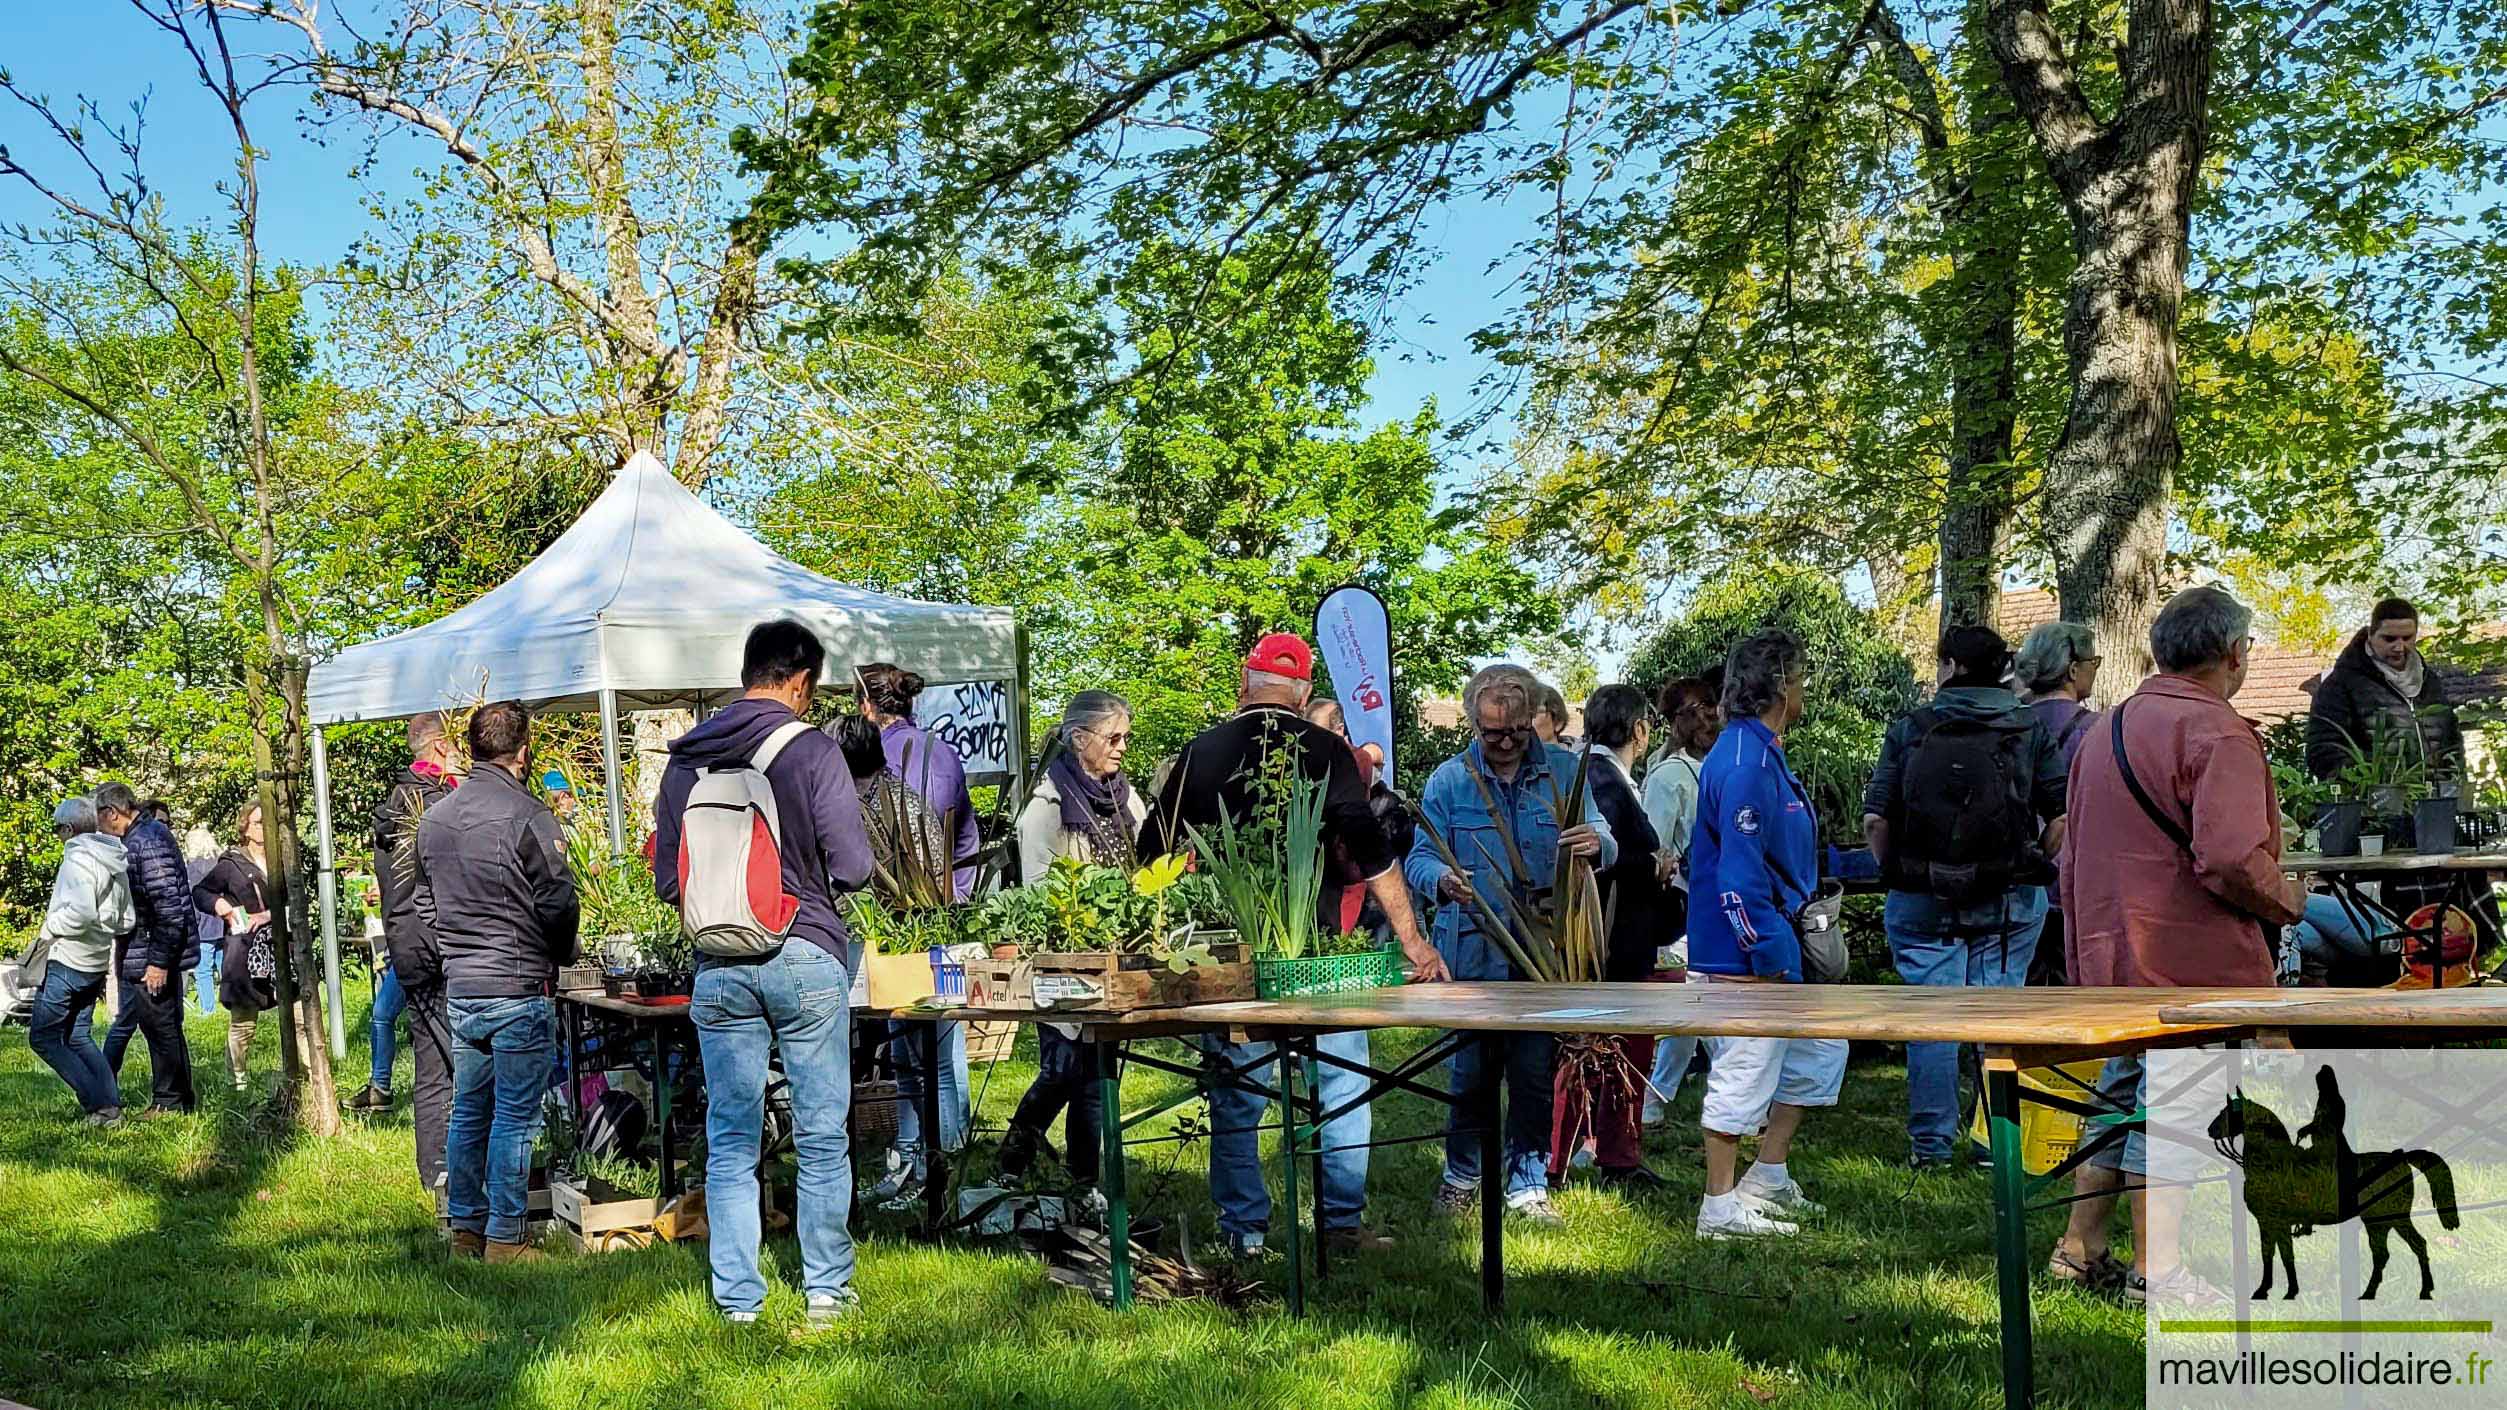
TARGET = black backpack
x,y
1961,828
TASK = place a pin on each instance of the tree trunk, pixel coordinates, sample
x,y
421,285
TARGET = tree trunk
x,y
2128,185
307,1090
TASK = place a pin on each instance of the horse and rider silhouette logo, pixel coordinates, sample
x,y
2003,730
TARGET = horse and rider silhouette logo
x,y
2297,1185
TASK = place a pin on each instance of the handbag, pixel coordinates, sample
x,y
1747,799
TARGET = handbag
x,y
261,958
1817,923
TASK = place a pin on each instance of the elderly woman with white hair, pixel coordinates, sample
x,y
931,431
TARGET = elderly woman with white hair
x,y
90,908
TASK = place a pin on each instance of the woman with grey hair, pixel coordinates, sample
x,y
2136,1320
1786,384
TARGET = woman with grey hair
x,y
2058,668
1498,802
1083,809
1754,867
90,908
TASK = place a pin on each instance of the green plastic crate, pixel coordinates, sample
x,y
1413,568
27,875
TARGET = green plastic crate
x,y
1276,978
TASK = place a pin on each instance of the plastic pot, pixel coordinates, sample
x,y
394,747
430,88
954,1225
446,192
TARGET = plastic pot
x,y
2339,826
2433,825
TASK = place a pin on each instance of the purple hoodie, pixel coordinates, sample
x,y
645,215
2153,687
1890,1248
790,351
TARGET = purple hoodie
x,y
935,771
825,851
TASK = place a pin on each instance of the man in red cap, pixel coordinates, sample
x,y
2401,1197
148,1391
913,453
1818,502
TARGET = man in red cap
x,y
1216,777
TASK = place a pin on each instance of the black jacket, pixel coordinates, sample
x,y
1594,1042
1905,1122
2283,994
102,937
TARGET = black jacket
x,y
408,939
2355,704
1644,914
1216,775
161,895
493,888
237,880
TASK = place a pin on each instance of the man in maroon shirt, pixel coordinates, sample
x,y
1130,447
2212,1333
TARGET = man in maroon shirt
x,y
2171,876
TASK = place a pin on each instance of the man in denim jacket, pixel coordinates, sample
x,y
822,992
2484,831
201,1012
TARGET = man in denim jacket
x,y
1527,780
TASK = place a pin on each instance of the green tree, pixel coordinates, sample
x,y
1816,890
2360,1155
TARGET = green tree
x,y
1859,679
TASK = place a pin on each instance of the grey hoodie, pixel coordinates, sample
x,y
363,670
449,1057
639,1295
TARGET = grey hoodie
x,y
91,903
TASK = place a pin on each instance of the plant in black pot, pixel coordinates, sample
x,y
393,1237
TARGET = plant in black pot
x,y
669,966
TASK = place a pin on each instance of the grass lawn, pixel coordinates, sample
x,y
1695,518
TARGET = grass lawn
x,y
183,1262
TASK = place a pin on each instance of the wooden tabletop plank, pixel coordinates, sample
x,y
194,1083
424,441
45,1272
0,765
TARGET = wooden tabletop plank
x,y
1873,1012
2477,1008
2303,864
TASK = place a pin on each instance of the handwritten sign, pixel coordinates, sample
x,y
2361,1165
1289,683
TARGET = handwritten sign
x,y
973,719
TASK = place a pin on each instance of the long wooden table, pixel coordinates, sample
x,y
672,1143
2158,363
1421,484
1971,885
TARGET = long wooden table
x,y
2014,1028
2463,877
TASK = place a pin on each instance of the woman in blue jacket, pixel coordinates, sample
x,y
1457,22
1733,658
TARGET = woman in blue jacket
x,y
1753,862
1527,780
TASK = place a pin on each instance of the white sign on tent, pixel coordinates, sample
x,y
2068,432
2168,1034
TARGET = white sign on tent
x,y
972,718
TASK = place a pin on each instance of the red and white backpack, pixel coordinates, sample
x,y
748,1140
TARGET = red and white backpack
x,y
731,896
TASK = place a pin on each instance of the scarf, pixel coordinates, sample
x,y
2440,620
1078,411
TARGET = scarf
x,y
2408,680
1098,809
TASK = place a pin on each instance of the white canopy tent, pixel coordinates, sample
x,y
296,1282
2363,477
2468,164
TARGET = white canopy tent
x,y
644,603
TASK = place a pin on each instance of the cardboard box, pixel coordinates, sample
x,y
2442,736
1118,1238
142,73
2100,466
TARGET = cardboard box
x,y
1111,983
1000,984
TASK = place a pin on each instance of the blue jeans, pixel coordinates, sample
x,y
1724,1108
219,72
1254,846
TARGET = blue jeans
x,y
389,1000
2329,935
503,1056
794,999
1527,1077
206,978
62,1032
1236,1142
1985,945
907,1053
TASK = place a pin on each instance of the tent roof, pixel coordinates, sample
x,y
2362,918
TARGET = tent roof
x,y
650,594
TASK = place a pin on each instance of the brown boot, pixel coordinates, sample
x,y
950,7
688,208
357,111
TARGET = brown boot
x,y
514,1253
466,1244
1356,1241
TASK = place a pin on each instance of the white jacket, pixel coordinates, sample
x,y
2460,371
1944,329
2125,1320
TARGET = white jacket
x,y
1041,836
91,903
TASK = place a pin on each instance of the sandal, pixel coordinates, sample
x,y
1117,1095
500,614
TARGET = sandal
x,y
2103,1274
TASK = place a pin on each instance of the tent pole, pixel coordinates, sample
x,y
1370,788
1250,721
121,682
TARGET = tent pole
x,y
326,890
609,774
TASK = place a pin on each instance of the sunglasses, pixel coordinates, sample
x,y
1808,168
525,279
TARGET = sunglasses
x,y
1503,733
1113,741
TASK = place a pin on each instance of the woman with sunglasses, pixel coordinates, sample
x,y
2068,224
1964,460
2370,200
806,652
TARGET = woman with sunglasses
x,y
1085,809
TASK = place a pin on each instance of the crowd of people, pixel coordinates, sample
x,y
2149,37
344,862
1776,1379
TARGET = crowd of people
x,y
1987,802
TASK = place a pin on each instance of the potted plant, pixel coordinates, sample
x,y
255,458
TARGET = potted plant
x,y
1266,876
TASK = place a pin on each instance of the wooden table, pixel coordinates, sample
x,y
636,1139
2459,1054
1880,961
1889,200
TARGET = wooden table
x,y
2476,1012
2014,1028
2464,878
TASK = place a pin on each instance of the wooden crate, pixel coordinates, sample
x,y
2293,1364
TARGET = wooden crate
x,y
595,1225
991,1042
1105,982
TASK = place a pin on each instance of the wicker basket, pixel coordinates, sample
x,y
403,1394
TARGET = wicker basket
x,y
875,1105
991,1042
1276,978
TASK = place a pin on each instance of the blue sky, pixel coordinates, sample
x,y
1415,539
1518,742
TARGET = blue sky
x,y
312,209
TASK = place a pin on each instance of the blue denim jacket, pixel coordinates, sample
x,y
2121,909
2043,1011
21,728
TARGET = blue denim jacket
x,y
1454,805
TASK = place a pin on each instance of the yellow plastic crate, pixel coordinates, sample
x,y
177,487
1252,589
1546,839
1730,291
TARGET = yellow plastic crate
x,y
2047,1136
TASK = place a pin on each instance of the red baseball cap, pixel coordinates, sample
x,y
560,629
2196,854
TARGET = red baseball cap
x,y
1283,654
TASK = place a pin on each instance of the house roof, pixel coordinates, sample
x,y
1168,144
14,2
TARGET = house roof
x,y
2281,680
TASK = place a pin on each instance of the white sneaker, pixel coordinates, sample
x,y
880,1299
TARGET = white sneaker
x,y
1784,1201
1742,1220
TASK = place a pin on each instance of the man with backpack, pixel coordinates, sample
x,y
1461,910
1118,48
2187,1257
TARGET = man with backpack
x,y
1965,813
759,834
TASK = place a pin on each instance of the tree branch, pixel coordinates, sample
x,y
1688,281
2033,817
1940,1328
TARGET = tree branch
x,y
2045,90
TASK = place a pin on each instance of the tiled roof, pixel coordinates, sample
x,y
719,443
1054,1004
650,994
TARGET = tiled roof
x,y
2280,682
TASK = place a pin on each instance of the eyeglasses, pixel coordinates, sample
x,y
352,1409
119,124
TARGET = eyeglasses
x,y
1503,733
1112,741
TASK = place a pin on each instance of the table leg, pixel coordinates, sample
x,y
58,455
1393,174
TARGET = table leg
x,y
1314,1086
1290,1220
1111,1178
1492,1174
669,1182
2010,1234
570,1031
935,1150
